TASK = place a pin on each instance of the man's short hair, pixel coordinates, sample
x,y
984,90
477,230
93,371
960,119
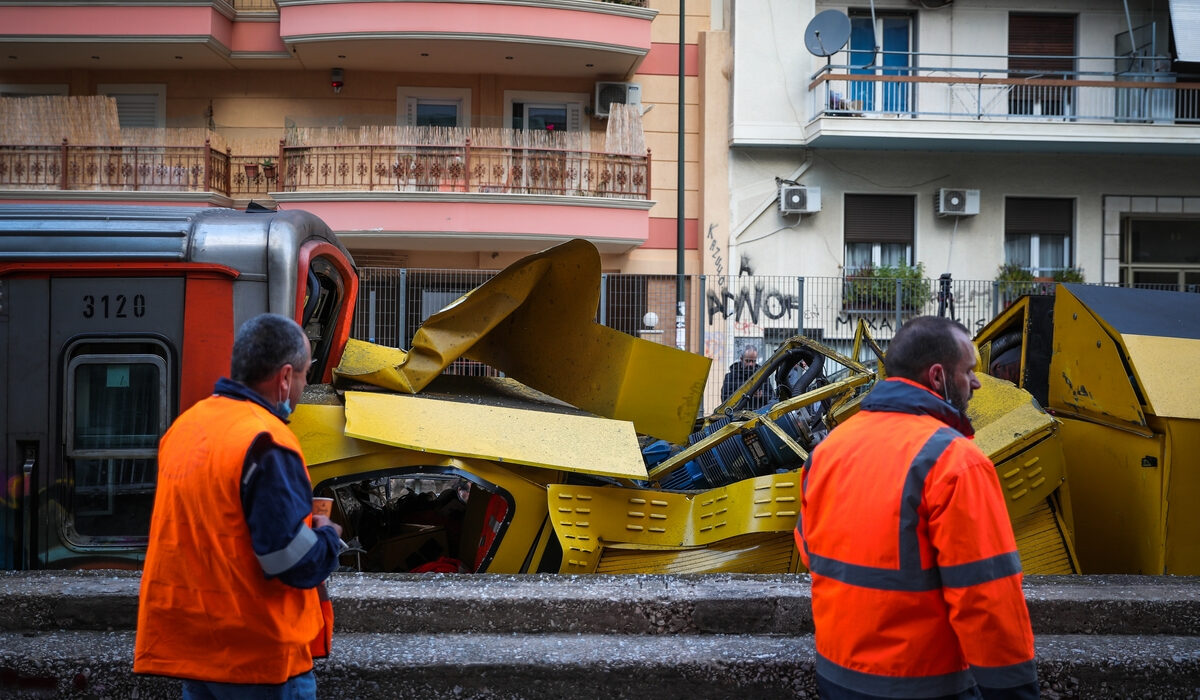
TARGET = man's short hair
x,y
749,348
921,343
264,344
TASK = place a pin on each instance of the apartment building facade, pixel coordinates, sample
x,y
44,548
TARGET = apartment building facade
x,y
981,139
457,134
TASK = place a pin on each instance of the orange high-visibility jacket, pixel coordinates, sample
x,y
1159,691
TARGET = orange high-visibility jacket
x,y
206,611
916,580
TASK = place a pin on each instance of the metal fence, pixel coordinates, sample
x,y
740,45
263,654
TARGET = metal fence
x,y
68,166
466,168
723,315
1100,89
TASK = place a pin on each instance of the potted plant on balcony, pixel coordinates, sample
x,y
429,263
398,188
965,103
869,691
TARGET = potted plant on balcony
x,y
1013,281
268,168
1069,275
874,289
251,171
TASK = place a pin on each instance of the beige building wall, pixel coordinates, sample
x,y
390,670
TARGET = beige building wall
x,y
251,108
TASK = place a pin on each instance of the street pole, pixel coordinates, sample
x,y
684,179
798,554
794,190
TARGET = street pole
x,y
680,296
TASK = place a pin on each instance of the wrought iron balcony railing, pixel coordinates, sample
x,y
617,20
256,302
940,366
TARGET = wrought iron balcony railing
x,y
466,168
413,168
114,168
944,86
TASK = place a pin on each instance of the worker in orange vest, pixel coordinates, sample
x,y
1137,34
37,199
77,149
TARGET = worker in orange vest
x,y
916,580
229,598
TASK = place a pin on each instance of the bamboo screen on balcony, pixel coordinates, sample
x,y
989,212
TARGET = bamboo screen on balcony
x,y
77,143
472,159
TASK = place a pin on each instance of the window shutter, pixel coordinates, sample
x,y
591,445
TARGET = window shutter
x,y
574,116
410,112
1040,35
879,218
1025,215
137,110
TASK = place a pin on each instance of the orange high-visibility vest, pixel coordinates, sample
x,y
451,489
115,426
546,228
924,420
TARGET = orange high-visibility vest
x,y
916,580
206,610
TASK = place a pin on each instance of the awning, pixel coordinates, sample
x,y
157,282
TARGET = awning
x,y
1185,22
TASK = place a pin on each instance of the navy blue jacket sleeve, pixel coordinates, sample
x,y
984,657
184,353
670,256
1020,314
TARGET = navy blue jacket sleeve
x,y
276,498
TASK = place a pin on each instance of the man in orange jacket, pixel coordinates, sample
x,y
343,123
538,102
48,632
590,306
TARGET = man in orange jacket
x,y
916,580
229,598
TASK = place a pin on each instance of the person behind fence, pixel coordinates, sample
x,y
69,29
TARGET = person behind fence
x,y
739,372
916,580
229,596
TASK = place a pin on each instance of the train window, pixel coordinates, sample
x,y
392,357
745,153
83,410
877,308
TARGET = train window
x,y
117,406
324,297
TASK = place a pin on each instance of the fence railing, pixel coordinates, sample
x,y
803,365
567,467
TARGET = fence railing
x,y
419,168
466,168
1100,89
133,168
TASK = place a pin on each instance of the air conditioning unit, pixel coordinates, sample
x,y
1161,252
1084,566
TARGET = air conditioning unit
x,y
799,199
956,202
620,93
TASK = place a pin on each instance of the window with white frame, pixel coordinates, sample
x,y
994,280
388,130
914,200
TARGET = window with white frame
x,y
1037,233
879,230
138,104
544,111
424,106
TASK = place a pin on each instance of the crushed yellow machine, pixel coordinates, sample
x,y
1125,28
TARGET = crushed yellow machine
x,y
588,457
1115,368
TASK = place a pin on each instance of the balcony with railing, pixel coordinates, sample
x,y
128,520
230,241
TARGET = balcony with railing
x,y
379,179
577,38
1104,104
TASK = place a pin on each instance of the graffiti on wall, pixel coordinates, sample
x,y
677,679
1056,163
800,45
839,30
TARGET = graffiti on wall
x,y
751,304
714,251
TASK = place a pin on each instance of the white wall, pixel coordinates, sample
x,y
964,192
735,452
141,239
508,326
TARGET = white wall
x,y
811,245
771,106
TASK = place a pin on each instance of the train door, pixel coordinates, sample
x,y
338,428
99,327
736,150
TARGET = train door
x,y
115,346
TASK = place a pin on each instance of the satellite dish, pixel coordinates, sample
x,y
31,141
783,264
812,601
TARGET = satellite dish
x,y
827,33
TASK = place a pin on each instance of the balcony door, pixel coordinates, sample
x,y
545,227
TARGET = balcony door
x,y
1041,47
547,145
895,34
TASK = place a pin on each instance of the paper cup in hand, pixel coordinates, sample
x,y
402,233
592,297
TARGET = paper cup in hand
x,y
323,506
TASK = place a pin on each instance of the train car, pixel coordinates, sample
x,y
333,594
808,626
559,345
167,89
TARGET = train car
x,y
113,320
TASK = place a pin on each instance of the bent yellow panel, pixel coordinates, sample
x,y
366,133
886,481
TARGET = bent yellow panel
x,y
588,519
322,433
520,436
1085,379
535,321
1162,365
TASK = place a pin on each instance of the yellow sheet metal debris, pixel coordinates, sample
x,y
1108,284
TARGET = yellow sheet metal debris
x,y
534,438
535,321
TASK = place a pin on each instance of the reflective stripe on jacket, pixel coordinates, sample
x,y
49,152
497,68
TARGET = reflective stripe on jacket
x,y
206,610
916,580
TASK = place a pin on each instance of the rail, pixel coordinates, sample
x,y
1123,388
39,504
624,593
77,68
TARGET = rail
x,y
67,166
466,168
1111,90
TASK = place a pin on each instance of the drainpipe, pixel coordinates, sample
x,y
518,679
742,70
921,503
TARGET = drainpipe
x,y
734,263
758,211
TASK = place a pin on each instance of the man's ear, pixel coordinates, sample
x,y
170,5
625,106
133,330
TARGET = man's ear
x,y
936,374
284,379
